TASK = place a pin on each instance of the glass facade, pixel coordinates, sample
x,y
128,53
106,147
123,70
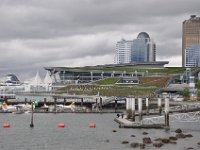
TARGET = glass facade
x,y
192,56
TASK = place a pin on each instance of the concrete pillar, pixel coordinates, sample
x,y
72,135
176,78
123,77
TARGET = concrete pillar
x,y
166,112
147,105
133,108
159,106
91,73
140,108
102,75
128,107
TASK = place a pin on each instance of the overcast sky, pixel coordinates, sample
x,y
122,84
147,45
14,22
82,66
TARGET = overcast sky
x,y
39,33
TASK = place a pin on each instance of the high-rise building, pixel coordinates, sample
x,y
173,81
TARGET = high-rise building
x,y
192,56
123,51
142,49
190,35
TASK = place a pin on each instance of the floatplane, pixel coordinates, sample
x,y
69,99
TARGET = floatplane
x,y
71,107
17,109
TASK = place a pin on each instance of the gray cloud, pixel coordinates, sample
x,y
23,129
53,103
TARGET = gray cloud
x,y
36,33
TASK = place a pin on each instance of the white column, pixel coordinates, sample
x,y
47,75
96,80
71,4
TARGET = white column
x,y
140,108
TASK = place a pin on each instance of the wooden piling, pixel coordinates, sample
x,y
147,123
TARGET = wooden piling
x,y
100,104
25,100
166,113
115,105
32,125
81,102
55,100
45,101
64,102
159,106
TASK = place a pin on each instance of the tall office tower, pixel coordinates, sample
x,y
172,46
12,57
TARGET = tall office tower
x,y
190,35
143,49
123,51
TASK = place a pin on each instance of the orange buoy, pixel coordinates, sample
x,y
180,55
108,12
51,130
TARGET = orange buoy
x,y
61,125
6,125
92,125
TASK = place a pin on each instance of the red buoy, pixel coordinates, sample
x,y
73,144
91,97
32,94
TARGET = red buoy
x,y
92,125
61,125
6,125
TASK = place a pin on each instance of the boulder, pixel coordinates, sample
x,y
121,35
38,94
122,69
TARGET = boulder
x,y
114,130
158,139
198,143
125,142
132,135
188,135
134,145
190,148
147,140
158,144
180,136
172,142
165,140
142,146
178,130
145,133
173,138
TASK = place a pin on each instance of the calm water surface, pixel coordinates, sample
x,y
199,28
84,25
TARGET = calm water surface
x,y
78,136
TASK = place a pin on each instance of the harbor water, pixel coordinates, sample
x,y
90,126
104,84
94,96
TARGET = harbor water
x,y
78,136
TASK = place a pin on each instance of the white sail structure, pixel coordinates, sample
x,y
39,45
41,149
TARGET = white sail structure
x,y
37,85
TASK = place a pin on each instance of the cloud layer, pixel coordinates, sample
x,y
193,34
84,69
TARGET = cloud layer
x,y
35,33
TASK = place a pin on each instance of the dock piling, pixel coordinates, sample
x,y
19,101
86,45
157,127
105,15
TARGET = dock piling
x,y
133,108
115,105
166,113
81,102
159,106
32,125
100,104
147,106
140,108
64,102
55,99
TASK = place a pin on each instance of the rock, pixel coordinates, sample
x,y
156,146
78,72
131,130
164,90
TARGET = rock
x,y
134,145
158,144
178,130
107,141
125,142
132,135
142,146
145,133
165,140
180,136
147,140
114,130
172,142
198,143
190,148
158,139
173,138
188,135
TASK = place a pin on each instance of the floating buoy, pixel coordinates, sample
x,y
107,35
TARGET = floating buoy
x,y
61,125
6,125
92,125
